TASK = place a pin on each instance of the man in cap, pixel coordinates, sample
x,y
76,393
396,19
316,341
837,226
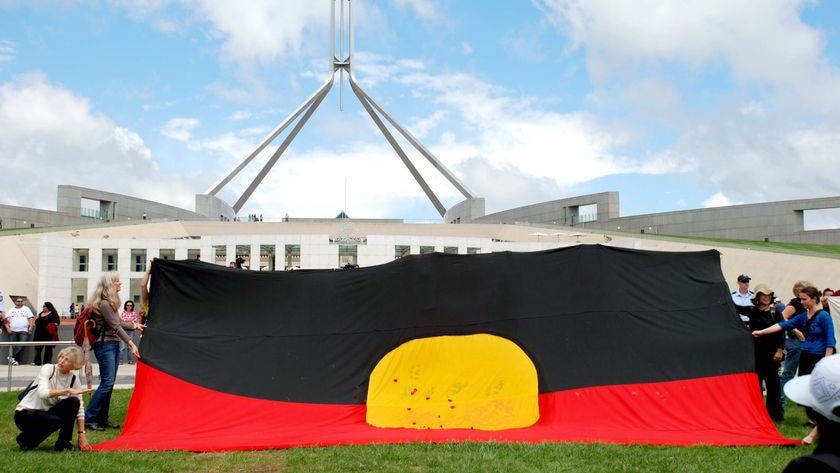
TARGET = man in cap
x,y
820,393
742,297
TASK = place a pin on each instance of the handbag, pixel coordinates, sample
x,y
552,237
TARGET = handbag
x,y
52,329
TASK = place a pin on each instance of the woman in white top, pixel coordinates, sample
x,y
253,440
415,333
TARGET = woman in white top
x,y
54,404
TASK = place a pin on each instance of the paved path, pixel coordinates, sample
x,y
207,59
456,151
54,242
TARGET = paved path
x,y
23,374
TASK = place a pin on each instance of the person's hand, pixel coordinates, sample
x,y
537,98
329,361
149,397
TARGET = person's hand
x,y
756,333
799,335
135,351
779,355
83,443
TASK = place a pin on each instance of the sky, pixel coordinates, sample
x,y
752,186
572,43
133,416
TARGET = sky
x,y
675,105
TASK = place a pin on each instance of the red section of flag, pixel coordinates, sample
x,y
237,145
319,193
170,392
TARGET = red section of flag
x,y
166,413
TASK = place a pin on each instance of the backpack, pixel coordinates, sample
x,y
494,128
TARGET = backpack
x,y
87,328
32,385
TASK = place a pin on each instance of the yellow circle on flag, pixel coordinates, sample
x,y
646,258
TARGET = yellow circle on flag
x,y
480,381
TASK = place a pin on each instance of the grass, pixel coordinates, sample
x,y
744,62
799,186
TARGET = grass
x,y
813,249
409,458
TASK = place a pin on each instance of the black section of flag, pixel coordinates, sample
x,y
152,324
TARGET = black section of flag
x,y
587,315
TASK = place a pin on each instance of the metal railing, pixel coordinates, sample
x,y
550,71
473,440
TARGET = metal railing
x,y
11,346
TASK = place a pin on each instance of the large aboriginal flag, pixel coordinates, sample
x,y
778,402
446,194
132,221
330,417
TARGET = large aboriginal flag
x,y
587,343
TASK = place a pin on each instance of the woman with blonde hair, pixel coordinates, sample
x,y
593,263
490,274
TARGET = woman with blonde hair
x,y
105,305
54,403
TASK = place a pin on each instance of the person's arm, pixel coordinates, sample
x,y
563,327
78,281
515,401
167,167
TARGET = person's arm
x,y
31,323
766,331
80,416
144,285
83,441
828,326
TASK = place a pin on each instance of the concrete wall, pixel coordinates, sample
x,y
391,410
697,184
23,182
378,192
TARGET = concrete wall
x,y
773,221
465,211
118,207
558,212
26,217
212,206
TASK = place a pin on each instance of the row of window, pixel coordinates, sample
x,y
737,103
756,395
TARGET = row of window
x,y
347,254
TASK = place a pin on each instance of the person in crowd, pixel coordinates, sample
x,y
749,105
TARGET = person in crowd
x,y
742,297
104,304
769,350
793,337
820,393
55,404
818,329
19,323
46,329
129,318
827,292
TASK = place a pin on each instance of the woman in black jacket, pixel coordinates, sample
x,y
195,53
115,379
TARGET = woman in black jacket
x,y
45,332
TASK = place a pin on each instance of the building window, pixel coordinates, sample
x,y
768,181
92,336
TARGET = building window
x,y
79,289
473,251
450,250
347,255
243,256
292,260
109,259
138,261
194,254
220,255
424,250
401,251
80,259
267,257
167,254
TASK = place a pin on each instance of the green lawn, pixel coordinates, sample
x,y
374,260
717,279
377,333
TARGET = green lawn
x,y
411,458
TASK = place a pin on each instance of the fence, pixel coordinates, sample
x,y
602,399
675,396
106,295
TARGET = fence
x,y
11,346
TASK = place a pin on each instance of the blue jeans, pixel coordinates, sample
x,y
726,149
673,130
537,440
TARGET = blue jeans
x,y
791,363
125,351
108,357
18,337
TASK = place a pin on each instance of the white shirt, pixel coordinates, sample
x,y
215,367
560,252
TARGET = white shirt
x,y
50,378
743,299
18,318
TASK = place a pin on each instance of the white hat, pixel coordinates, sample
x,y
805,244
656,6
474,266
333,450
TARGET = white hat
x,y
819,390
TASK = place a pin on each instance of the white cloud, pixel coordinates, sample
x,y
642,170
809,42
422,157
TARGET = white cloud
x,y
44,127
717,200
265,30
770,94
423,9
180,129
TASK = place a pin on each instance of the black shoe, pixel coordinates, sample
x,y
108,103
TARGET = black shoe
x,y
112,425
23,447
94,426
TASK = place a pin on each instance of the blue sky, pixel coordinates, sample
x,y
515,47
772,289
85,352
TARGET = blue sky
x,y
674,104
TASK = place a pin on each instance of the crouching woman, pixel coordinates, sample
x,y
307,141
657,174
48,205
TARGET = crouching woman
x,y
54,405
